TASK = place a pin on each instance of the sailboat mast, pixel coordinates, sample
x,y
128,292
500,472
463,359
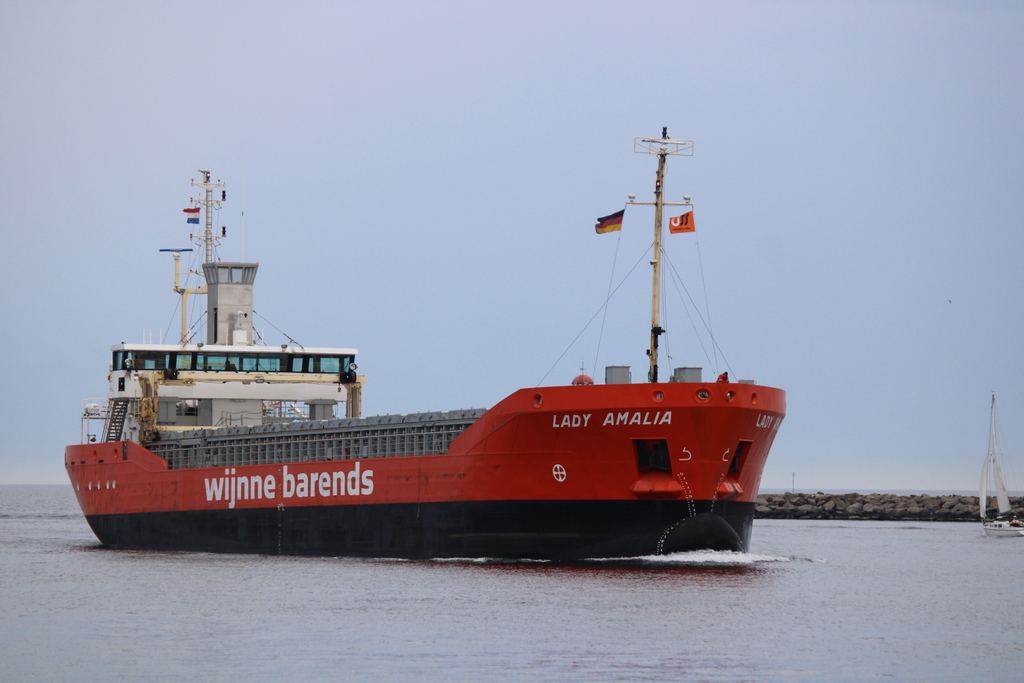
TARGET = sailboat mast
x,y
992,427
1002,498
983,491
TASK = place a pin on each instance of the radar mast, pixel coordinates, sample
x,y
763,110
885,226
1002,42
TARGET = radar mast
x,y
208,203
663,147
207,239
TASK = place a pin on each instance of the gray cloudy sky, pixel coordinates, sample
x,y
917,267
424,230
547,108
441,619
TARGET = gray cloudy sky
x,y
420,181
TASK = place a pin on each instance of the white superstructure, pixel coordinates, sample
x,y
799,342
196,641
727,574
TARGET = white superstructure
x,y
228,381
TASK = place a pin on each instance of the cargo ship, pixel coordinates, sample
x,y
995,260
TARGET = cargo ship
x,y
234,446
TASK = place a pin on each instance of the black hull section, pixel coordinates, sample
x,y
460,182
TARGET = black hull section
x,y
555,530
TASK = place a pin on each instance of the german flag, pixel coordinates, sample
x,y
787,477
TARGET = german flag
x,y
610,223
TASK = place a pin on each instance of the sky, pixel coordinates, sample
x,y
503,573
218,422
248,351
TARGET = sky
x,y
420,181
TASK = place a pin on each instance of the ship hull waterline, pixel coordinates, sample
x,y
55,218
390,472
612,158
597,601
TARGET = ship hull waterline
x,y
546,474
550,530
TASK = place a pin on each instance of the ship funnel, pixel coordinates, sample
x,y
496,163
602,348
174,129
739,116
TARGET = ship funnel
x,y
229,302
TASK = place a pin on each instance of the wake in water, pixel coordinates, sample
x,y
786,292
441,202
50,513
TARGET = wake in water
x,y
698,558
702,558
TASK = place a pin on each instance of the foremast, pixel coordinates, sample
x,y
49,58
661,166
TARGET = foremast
x,y
663,147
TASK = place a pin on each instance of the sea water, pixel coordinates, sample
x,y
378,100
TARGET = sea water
x,y
812,601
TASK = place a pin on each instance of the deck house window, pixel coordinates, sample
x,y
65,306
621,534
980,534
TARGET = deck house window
x,y
269,363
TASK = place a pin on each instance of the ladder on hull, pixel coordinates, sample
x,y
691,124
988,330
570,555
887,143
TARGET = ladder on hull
x,y
115,423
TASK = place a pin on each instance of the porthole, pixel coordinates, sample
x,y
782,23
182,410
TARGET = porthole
x,y
659,396
730,395
537,400
753,398
703,395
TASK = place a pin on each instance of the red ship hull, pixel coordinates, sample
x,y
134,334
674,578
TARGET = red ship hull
x,y
554,473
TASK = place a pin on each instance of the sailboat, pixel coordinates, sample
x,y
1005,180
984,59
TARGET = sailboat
x,y
1005,524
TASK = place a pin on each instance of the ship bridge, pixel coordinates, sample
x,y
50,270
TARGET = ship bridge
x,y
295,360
158,388
229,381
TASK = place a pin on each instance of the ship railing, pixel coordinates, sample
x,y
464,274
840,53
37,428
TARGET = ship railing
x,y
93,417
240,418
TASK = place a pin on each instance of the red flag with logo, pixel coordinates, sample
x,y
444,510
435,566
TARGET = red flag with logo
x,y
682,223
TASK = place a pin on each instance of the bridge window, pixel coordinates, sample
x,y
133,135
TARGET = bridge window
x,y
230,362
324,364
235,275
155,361
271,363
142,360
216,362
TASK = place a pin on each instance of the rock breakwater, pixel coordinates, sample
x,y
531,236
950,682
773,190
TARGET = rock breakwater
x,y
874,506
